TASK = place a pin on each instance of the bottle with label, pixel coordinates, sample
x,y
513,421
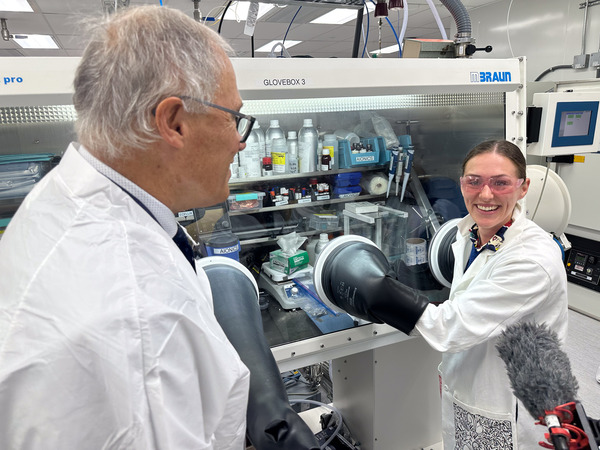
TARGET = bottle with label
x,y
234,167
308,139
323,241
292,156
279,153
260,135
319,154
330,141
249,158
267,167
274,131
325,160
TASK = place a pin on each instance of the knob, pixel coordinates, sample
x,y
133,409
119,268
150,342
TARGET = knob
x,y
470,49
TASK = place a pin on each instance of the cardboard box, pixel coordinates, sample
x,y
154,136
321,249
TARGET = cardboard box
x,y
288,264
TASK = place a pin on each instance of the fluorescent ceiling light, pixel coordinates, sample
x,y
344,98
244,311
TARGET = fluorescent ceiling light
x,y
340,16
267,48
36,41
238,11
391,49
15,5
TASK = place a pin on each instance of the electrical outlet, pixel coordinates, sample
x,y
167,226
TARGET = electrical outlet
x,y
581,61
595,59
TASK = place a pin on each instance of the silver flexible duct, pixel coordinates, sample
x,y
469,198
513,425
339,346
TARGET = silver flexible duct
x,y
463,26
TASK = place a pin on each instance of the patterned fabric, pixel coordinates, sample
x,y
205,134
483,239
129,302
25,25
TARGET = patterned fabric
x,y
493,244
475,432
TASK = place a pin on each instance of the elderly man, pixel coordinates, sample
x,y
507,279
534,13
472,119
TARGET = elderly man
x,y
107,335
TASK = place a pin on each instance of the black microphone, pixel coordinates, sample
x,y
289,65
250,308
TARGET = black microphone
x,y
540,376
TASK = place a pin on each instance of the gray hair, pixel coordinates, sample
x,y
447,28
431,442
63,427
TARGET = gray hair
x,y
134,60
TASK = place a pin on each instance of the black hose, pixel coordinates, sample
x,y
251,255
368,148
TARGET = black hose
x,y
552,69
223,16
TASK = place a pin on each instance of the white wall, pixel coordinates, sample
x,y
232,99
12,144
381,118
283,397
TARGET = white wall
x,y
547,32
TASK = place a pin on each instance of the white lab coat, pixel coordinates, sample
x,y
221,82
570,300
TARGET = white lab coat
x,y
107,336
525,280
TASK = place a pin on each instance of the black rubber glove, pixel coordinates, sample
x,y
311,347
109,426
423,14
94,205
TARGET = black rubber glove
x,y
358,279
272,424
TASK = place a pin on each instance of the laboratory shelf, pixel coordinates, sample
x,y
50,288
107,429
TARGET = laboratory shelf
x,y
305,205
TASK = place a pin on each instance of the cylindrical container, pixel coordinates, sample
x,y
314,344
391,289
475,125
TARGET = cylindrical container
x,y
323,241
274,131
347,135
224,244
249,158
325,160
234,167
330,142
292,156
279,156
416,251
260,135
267,167
308,139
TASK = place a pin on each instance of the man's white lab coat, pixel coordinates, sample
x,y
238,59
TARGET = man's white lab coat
x,y
107,336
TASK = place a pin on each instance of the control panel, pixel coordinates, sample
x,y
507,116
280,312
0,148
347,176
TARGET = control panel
x,y
583,263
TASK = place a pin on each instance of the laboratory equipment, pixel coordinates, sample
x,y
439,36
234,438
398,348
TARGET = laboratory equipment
x,y
271,421
282,286
563,123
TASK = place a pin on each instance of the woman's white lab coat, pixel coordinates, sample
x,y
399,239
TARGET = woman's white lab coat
x,y
524,280
107,336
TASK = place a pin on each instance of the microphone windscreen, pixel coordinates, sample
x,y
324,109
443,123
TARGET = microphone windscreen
x,y
538,370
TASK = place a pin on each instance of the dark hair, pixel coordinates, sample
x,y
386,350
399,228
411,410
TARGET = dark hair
x,y
504,148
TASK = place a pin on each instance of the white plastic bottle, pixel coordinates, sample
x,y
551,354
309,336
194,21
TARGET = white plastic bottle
x,y
279,153
234,167
323,241
260,134
292,156
330,142
250,157
274,131
308,138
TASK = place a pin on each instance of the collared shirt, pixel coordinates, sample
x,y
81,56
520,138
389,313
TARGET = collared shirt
x,y
493,244
158,210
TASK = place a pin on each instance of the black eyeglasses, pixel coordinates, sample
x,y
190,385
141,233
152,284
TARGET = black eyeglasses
x,y
244,123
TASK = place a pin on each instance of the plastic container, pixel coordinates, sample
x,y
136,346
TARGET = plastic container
x,y
292,157
330,143
238,201
224,244
260,137
347,179
234,167
375,155
250,157
308,139
323,241
347,192
279,153
323,221
274,131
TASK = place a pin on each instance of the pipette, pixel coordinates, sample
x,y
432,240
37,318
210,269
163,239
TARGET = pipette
x,y
392,169
407,169
399,171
